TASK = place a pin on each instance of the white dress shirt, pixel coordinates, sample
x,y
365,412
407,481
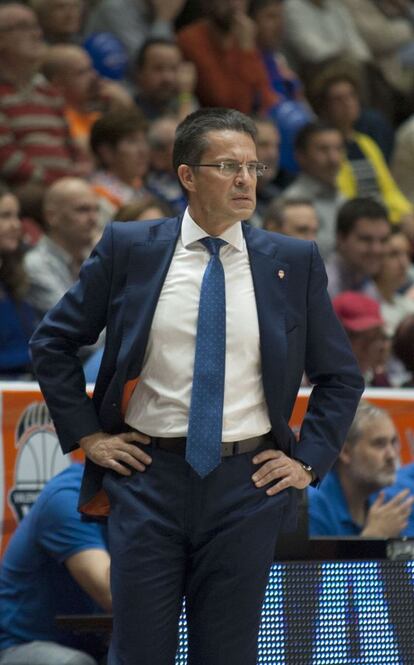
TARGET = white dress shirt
x,y
160,403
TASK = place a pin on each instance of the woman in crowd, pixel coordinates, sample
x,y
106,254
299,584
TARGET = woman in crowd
x,y
17,318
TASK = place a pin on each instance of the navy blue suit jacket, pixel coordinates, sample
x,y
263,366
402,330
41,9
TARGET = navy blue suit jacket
x,y
119,287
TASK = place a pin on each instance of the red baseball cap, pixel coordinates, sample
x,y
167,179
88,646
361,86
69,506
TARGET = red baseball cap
x,y
357,312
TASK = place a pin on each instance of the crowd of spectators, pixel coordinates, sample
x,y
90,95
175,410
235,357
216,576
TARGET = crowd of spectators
x,y
91,94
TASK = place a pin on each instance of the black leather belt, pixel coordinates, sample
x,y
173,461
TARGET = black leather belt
x,y
228,448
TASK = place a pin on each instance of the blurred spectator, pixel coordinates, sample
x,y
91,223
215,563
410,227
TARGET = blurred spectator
x,y
17,318
291,111
147,207
70,215
165,83
343,505
361,317
362,234
55,563
292,217
35,144
387,28
69,69
230,71
318,31
267,147
319,152
60,20
119,143
403,348
364,172
391,277
162,179
402,163
132,21
366,120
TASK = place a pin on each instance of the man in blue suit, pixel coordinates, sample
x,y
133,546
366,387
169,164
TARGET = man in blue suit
x,y
210,327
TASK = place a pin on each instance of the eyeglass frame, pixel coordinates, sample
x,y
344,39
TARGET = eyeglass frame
x,y
222,165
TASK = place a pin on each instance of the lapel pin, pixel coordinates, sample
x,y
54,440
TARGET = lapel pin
x,y
281,274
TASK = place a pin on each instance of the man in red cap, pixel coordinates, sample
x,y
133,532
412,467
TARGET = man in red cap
x,y
361,317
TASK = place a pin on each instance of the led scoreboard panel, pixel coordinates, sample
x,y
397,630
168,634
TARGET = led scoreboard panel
x,y
338,613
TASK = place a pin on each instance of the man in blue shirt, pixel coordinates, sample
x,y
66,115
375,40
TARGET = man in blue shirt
x,y
54,564
343,505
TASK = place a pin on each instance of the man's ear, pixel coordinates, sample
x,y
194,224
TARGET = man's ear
x,y
186,176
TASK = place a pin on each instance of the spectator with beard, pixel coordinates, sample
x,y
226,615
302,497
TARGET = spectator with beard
x,y
165,82
343,505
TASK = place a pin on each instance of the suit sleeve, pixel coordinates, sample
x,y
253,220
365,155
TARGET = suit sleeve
x,y
75,321
332,369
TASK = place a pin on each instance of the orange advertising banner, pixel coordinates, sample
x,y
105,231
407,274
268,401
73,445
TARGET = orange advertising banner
x,y
30,453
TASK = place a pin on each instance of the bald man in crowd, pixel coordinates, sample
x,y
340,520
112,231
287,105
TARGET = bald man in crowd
x,y
70,213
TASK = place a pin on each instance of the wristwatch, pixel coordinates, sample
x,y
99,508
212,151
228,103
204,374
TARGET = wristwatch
x,y
307,468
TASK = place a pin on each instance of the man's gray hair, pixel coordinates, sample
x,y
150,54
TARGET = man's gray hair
x,y
365,413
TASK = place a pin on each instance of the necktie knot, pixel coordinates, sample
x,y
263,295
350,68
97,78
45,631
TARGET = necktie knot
x,y
213,244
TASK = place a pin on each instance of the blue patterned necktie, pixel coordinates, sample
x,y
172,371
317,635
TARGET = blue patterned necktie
x,y
205,421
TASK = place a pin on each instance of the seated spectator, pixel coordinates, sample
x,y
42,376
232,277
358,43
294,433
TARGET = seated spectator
x,y
402,163
162,179
133,22
55,563
403,348
361,317
69,69
362,234
267,148
70,214
60,20
364,172
291,111
230,71
35,144
119,143
391,277
369,120
292,217
318,31
319,152
17,318
164,81
388,30
343,504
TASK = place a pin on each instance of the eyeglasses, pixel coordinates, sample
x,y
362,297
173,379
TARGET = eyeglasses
x,y
232,168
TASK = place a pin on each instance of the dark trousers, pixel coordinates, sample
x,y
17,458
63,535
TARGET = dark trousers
x,y
171,535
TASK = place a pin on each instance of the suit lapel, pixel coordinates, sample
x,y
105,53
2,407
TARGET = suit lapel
x,y
149,262
270,278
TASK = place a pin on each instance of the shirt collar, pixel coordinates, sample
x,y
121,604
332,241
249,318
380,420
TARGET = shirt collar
x,y
191,232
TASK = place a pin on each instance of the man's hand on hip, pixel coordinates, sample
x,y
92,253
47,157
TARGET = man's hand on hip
x,y
114,451
278,466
